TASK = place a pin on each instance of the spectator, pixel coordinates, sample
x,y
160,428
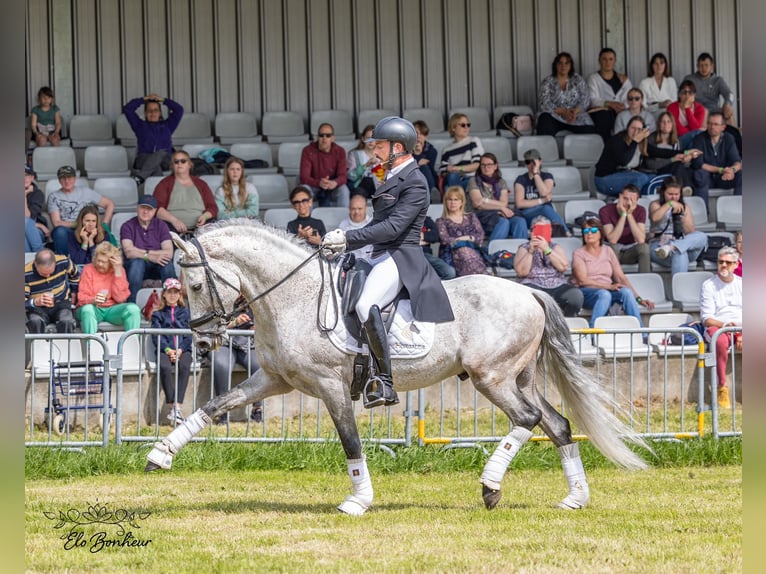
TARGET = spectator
x,y
175,350
738,246
236,197
425,154
635,108
460,158
564,100
619,162
50,289
365,174
541,264
46,119
719,165
154,134
461,235
305,226
624,227
429,234
689,115
596,271
533,192
659,87
240,350
35,229
607,91
721,306
147,246
672,229
65,204
184,201
323,169
357,218
104,291
664,154
489,193
89,231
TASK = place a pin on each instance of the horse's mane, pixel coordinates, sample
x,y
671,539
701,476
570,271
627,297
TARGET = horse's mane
x,y
256,224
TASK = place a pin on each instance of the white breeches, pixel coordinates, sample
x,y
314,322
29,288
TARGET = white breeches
x,y
382,285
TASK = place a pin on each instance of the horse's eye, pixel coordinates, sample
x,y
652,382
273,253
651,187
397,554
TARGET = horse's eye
x,y
196,286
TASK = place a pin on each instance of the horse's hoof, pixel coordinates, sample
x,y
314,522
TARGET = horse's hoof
x,y
491,496
352,506
150,466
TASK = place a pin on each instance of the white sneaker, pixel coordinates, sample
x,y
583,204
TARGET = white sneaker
x,y
663,252
687,191
175,416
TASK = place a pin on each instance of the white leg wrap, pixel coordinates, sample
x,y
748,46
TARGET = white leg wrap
x,y
163,451
357,503
579,493
498,463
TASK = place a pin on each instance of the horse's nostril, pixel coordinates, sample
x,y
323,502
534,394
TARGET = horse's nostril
x,y
203,346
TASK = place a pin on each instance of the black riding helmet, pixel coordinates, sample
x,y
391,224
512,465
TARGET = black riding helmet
x,y
395,129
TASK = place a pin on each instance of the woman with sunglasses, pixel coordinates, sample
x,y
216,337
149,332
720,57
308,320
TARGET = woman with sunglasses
x,y
597,272
635,108
184,201
690,115
620,159
460,158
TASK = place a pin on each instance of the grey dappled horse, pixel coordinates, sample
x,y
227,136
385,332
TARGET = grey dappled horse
x,y
502,333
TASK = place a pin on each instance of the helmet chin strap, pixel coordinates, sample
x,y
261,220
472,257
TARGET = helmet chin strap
x,y
389,163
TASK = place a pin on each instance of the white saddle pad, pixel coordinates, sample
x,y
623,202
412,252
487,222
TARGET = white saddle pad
x,y
407,338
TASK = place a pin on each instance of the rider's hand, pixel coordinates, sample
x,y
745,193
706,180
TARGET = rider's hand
x,y
334,241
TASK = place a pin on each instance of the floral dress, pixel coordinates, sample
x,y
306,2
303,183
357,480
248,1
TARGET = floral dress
x,y
467,260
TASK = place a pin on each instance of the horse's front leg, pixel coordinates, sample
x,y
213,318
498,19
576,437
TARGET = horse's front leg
x,y
260,385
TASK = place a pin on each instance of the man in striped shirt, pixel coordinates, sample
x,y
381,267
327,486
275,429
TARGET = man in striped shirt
x,y
50,290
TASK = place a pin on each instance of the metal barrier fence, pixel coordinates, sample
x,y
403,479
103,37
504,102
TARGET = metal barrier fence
x,y
656,386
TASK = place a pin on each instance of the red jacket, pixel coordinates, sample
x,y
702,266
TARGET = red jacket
x,y
317,164
694,119
165,187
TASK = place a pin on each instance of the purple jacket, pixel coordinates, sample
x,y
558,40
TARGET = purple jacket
x,y
153,136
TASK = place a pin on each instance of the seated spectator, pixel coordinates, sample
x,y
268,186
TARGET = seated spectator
x,y
489,193
659,87
607,91
323,169
236,197
624,227
674,243
357,218
714,93
147,246
738,247
596,271
184,201
541,264
154,134
50,289
719,165
365,174
239,350
305,226
563,103
175,350
104,291
45,119
429,234
635,108
35,229
425,154
664,154
619,162
690,116
460,157
89,231
65,204
460,235
533,192
721,306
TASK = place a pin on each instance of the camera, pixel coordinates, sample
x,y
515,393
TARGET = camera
x,y
678,225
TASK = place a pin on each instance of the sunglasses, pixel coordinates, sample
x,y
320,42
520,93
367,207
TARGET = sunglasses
x,y
685,92
180,160
528,161
300,201
325,135
586,230
634,98
723,262
468,125
487,164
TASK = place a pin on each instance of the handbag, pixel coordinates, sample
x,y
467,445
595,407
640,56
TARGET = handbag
x,y
518,124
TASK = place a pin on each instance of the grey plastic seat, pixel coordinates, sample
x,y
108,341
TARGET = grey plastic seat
x,y
686,286
583,150
371,117
568,183
283,126
620,345
123,191
342,123
582,342
213,181
279,217
434,119
546,145
729,212
699,213
236,127
576,207
510,244
289,157
650,286
330,216
194,128
47,160
254,150
195,149
119,218
90,129
659,342
498,113
501,147
272,190
106,161
481,125
124,132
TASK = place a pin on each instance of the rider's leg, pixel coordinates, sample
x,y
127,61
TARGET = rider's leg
x,y
377,341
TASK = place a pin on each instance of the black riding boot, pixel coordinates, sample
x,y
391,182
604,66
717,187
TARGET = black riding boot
x,y
379,389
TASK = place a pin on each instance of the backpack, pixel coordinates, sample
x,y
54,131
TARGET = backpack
x,y
518,124
201,167
502,258
714,244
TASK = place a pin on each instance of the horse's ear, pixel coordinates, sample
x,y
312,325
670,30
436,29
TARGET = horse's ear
x,y
178,242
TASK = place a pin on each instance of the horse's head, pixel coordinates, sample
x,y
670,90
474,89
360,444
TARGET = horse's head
x,y
212,289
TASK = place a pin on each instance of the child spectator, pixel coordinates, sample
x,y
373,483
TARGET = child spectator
x,y
46,119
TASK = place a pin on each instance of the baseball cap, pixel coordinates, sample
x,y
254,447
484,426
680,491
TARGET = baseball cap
x,y
66,171
532,154
171,283
148,200
28,169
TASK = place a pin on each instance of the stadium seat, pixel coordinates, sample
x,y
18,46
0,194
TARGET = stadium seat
x,y
569,244
194,128
254,150
620,345
576,207
546,145
686,286
130,355
568,183
150,183
272,190
29,256
213,181
119,218
371,117
90,129
583,150
659,341
279,127
729,212
500,147
279,217
511,245
342,123
435,211
481,125
650,286
121,190
289,157
47,160
699,212
236,127
195,149
583,343
124,132
433,118
54,185
330,216
106,161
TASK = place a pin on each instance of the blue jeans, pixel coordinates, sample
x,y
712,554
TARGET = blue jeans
x,y
685,140
515,227
614,183
456,178
60,237
601,299
33,237
686,250
443,269
545,209
704,180
138,269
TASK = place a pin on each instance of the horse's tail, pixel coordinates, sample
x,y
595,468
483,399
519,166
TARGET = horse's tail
x,y
589,405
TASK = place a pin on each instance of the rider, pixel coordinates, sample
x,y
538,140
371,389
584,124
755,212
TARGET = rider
x,y
397,259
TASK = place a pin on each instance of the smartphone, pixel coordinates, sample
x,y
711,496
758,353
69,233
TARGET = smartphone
x,y
544,231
